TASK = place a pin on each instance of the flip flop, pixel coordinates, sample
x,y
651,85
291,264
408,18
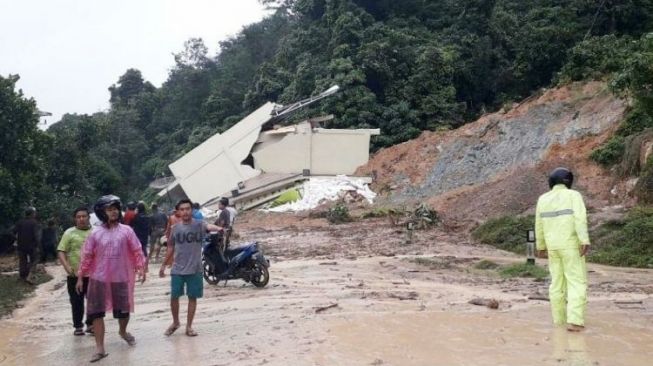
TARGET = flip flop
x,y
98,356
191,333
129,339
171,329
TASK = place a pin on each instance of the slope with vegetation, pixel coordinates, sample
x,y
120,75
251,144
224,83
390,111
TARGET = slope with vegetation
x,y
404,66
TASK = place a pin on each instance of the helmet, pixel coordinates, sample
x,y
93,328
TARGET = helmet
x,y
104,202
561,176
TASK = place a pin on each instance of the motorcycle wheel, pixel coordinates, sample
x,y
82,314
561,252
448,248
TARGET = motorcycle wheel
x,y
209,276
264,276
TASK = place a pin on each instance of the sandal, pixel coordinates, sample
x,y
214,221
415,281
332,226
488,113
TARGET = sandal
x,y
171,329
129,338
191,333
98,356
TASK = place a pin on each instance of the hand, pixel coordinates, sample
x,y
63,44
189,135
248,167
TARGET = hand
x,y
584,249
162,271
143,276
79,287
542,254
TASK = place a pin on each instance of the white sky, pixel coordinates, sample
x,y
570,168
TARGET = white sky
x,y
68,52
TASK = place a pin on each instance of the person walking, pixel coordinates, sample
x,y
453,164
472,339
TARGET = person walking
x,y
28,238
561,234
158,222
185,251
141,226
49,239
111,256
69,249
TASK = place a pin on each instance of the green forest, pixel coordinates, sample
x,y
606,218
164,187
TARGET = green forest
x,y
403,66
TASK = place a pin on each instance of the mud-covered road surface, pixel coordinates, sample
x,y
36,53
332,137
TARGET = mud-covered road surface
x,y
353,294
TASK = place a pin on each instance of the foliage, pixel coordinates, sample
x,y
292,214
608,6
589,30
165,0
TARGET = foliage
x,y
610,153
23,149
507,233
403,66
524,270
626,243
338,214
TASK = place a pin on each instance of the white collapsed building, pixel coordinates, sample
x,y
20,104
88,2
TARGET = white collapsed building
x,y
256,160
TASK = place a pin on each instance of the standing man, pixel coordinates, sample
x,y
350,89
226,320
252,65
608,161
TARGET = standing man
x,y
28,236
224,221
157,227
185,246
70,248
141,225
173,220
561,230
111,256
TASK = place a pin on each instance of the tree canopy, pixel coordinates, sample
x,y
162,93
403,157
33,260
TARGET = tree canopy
x,y
403,66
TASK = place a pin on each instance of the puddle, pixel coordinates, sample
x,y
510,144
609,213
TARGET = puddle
x,y
496,338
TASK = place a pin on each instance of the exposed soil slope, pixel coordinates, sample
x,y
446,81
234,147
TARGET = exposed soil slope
x,y
498,164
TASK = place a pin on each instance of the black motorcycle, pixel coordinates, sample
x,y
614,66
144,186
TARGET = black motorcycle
x,y
246,262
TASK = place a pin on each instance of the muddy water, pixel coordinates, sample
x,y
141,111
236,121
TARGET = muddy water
x,y
498,338
371,324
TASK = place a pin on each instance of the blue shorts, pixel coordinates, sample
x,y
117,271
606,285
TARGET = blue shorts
x,y
194,285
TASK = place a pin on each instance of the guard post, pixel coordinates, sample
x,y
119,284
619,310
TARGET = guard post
x,y
530,247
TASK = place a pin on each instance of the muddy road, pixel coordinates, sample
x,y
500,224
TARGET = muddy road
x,y
354,294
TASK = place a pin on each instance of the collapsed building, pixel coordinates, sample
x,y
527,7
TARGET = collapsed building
x,y
259,158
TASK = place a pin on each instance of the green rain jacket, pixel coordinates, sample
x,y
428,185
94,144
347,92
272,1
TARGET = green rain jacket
x,y
560,220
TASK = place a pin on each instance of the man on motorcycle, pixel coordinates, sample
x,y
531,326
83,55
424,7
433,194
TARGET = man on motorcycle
x,y
185,246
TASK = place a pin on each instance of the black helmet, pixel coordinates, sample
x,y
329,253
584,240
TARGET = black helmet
x,y
561,176
104,202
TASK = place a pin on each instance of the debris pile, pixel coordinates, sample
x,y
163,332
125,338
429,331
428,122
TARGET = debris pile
x,y
319,190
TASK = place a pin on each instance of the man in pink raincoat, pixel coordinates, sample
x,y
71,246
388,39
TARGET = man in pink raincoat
x,y
111,256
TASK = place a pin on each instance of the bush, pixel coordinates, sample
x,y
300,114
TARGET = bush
x,y
338,214
507,233
610,153
524,270
627,243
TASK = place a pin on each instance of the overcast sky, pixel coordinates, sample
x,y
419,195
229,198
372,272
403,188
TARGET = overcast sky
x,y
68,52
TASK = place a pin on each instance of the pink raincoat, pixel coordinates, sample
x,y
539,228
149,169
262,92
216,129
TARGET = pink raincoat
x,y
110,258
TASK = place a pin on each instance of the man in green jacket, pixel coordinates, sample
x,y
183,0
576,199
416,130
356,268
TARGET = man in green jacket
x,y
561,232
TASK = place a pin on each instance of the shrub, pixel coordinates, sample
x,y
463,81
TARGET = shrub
x,y
628,243
610,153
338,214
524,270
507,233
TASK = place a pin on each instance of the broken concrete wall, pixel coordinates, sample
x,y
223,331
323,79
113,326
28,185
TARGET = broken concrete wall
x,y
322,151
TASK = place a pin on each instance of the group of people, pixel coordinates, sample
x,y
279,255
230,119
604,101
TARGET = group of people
x,y
102,262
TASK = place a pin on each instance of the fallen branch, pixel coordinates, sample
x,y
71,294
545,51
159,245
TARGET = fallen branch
x,y
490,303
328,263
538,297
410,296
323,308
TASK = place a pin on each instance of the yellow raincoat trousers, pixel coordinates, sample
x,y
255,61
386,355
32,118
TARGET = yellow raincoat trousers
x,y
561,228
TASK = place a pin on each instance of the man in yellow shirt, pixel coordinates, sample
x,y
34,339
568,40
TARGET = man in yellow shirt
x,y
70,248
561,230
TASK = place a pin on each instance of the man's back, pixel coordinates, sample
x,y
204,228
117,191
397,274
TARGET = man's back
x,y
27,233
159,220
561,220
